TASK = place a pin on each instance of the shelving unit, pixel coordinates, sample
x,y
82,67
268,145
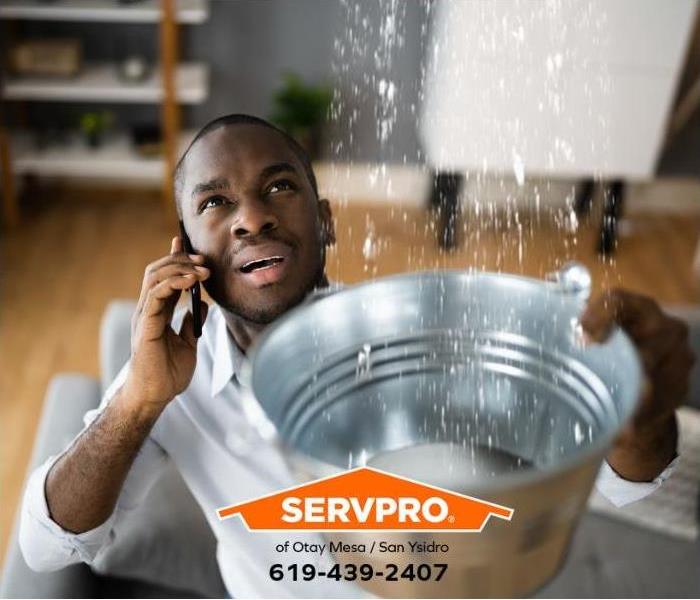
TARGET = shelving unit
x,y
101,83
115,159
188,12
171,83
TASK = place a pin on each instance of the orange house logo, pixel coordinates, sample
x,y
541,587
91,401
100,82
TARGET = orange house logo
x,y
366,499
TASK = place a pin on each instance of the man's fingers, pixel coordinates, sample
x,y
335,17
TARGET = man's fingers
x,y
187,328
163,297
154,274
177,283
656,405
177,245
638,315
171,259
675,371
174,269
668,340
599,317
654,334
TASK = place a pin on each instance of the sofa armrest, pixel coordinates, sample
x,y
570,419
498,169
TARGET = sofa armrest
x,y
115,339
68,398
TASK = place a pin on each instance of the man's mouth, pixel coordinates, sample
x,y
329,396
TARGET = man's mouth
x,y
260,264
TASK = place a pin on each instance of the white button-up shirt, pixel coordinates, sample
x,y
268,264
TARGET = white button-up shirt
x,y
209,433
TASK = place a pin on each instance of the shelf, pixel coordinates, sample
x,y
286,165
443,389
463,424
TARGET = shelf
x,y
106,11
101,83
115,159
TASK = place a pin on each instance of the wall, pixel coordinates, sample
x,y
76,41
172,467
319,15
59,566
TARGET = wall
x,y
250,44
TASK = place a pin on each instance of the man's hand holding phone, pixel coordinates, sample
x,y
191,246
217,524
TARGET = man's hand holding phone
x,y
83,485
163,360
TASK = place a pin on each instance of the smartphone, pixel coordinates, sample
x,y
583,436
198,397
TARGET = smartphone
x,y
196,289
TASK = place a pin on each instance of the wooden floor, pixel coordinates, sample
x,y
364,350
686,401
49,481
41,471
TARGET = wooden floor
x,y
79,249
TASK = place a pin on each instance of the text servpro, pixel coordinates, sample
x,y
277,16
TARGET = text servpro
x,y
345,510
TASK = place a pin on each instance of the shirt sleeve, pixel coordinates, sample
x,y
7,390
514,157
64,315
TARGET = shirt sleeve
x,y
621,491
45,545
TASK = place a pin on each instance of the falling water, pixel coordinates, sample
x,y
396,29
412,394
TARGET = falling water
x,y
513,216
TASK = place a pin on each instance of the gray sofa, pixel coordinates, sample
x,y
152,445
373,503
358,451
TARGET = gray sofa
x,y
175,554
173,557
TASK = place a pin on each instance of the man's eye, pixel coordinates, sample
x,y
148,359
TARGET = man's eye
x,y
212,202
281,186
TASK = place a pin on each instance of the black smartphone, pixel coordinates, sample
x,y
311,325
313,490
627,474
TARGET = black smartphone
x,y
195,290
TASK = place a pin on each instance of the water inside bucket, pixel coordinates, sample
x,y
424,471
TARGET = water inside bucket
x,y
443,463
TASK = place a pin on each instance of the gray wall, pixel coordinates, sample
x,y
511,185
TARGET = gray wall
x,y
249,44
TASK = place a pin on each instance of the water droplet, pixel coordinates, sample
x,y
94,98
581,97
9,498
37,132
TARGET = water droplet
x,y
364,361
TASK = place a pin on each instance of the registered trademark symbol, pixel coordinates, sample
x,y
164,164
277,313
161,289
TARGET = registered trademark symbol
x,y
451,518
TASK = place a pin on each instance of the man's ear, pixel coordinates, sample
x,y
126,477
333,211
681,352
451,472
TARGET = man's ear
x,y
326,218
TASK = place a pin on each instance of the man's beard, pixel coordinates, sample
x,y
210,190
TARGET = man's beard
x,y
264,315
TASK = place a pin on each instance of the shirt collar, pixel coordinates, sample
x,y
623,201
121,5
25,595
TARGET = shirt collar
x,y
228,357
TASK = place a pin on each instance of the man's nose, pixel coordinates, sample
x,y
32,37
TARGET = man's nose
x,y
253,217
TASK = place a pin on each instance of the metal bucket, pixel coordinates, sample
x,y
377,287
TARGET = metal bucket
x,y
475,382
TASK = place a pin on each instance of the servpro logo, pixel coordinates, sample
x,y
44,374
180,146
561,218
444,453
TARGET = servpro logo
x,y
366,499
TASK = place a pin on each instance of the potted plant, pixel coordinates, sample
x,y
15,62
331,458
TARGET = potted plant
x,y
93,126
301,110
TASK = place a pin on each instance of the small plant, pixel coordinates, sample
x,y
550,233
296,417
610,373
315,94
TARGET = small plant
x,y
301,110
93,126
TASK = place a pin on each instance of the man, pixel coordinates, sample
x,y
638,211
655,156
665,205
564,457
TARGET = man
x,y
247,195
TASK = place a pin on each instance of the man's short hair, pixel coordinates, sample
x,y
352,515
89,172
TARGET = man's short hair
x,y
242,119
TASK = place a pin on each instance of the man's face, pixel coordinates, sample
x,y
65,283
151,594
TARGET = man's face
x,y
249,208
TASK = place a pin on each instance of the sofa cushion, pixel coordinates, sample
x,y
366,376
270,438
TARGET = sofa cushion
x,y
165,541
